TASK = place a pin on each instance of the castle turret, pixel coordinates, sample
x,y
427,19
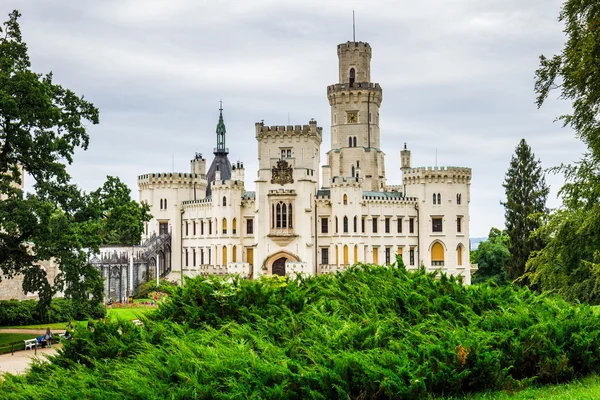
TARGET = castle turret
x,y
221,161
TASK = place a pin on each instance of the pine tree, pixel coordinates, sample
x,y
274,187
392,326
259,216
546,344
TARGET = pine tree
x,y
526,194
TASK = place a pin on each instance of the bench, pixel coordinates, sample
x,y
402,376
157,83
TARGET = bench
x,y
30,343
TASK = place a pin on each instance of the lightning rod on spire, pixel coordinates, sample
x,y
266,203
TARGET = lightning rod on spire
x,y
353,28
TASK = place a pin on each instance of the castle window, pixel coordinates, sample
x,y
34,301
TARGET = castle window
x,y
411,225
163,228
209,255
352,76
439,199
354,141
286,153
194,227
387,225
358,164
250,227
345,200
345,224
210,227
349,141
186,258
324,226
234,226
437,254
284,216
434,199
165,204
362,224
161,204
436,225
458,224
374,224
353,173
202,228
399,224
224,250
201,256
336,224
272,216
388,253
459,255
186,229
324,255
233,254
278,213
412,256
355,224
369,117
224,226
458,199
224,201
355,254
290,216
345,254
194,257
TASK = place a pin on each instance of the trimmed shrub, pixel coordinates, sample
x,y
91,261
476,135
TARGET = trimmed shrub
x,y
370,332
26,312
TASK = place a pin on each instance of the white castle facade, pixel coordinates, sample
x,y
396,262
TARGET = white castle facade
x,y
297,222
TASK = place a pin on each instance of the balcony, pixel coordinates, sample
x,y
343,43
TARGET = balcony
x,y
282,236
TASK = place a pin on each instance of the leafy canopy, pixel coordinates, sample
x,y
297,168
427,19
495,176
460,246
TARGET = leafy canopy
x,y
492,257
570,262
41,125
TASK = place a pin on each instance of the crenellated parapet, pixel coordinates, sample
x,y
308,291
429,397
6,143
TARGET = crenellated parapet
x,y
345,182
359,92
437,174
182,179
289,131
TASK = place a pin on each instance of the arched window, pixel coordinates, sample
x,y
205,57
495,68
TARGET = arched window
x,y
349,141
437,254
355,224
353,173
224,226
345,199
337,256
233,255
224,255
336,224
345,224
165,204
459,255
458,199
161,204
224,201
284,216
434,199
210,227
355,254
352,76
439,199
345,255
290,216
278,212
234,226
354,141
273,216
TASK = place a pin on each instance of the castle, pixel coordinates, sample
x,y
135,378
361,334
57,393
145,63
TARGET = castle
x,y
297,222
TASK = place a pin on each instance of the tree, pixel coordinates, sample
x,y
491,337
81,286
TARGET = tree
x,y
526,193
492,257
570,261
41,124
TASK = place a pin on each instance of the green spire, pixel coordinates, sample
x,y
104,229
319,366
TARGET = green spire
x,y
221,132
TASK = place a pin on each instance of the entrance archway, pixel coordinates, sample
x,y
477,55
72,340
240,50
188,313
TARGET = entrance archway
x,y
279,266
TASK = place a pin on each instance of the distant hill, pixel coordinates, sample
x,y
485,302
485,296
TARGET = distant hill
x,y
475,242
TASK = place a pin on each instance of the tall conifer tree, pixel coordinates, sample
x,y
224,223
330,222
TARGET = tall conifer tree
x,y
526,194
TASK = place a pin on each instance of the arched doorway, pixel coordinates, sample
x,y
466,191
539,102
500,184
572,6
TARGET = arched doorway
x,y
279,266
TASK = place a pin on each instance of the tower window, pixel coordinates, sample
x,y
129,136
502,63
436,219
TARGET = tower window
x,y
387,225
374,224
439,199
459,224
352,76
349,141
353,172
436,225
434,199
345,224
324,226
194,227
354,141
411,225
399,224
224,201
355,223
250,226
345,199
458,198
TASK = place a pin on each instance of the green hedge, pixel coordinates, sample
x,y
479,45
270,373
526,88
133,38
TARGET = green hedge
x,y
371,332
26,312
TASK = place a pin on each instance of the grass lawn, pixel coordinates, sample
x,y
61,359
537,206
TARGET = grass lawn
x,y
587,388
122,313
7,338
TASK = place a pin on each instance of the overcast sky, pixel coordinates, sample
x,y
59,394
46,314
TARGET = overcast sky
x,y
457,76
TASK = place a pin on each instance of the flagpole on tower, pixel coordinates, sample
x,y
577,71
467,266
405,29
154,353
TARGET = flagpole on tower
x,y
353,28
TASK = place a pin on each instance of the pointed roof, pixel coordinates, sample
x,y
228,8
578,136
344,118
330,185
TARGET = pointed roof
x,y
221,161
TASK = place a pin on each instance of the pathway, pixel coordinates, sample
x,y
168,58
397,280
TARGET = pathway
x,y
19,362
32,331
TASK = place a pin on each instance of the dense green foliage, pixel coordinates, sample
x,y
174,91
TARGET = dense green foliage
x,y
143,290
570,262
526,193
371,332
26,312
492,257
41,125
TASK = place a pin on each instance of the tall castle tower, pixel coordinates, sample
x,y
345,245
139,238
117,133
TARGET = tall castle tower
x,y
355,101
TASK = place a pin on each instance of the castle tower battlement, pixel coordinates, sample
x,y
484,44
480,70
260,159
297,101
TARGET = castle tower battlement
x,y
355,55
282,131
437,174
